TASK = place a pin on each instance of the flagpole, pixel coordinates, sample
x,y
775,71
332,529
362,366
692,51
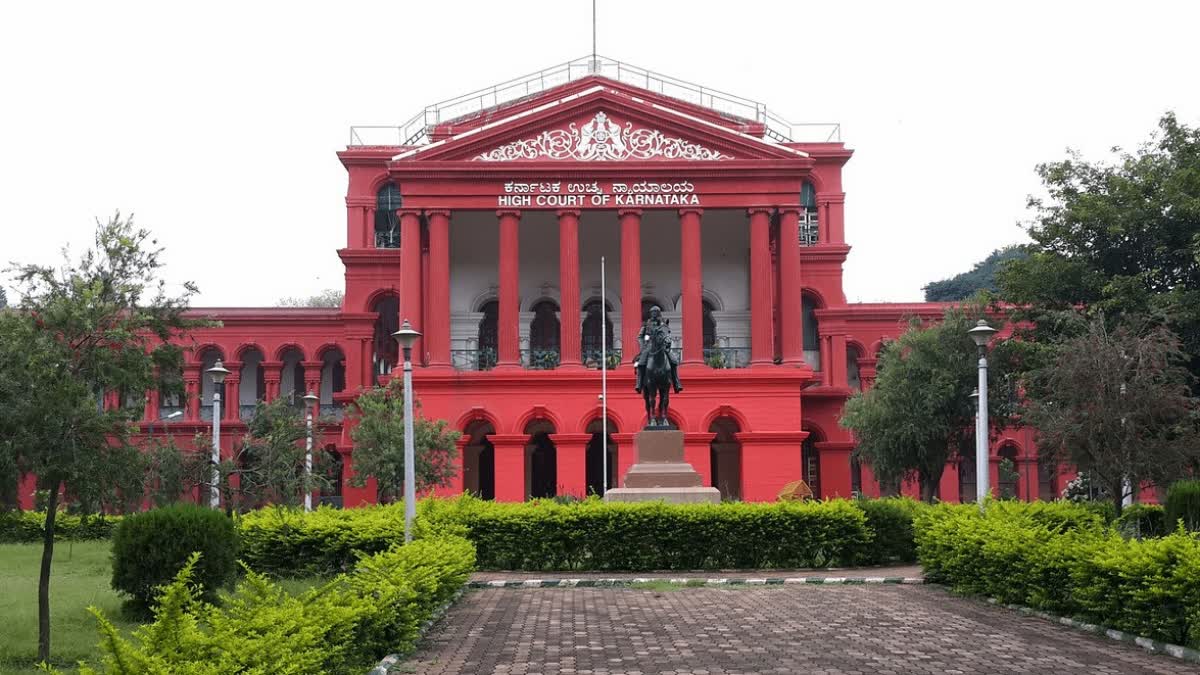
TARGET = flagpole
x,y
603,378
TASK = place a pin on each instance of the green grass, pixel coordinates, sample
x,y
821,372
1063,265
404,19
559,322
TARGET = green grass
x,y
82,572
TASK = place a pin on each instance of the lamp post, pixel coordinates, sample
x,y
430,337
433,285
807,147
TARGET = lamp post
x,y
981,333
310,400
217,373
406,336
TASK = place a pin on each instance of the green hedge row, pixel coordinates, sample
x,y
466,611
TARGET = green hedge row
x,y
345,626
1051,560
20,527
594,535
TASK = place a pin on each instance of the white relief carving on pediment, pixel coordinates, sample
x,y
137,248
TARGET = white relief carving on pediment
x,y
601,139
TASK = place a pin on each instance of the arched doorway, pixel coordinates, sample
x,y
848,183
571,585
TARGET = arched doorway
x,y
291,376
810,463
333,381
708,326
544,336
479,460
1010,475
966,478
856,487
334,473
541,465
386,352
725,458
208,358
1047,480
387,223
592,330
810,331
252,387
595,457
853,379
489,341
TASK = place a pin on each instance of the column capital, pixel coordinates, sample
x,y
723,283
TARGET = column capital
x,y
500,213
409,212
567,212
308,365
790,209
445,213
691,209
760,209
629,212
360,201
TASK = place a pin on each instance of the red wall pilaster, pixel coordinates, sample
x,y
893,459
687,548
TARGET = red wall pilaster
x,y
790,285
837,357
697,451
271,374
355,496
762,341
631,280
510,466
437,335
191,385
230,398
508,326
410,275
572,463
692,285
948,485
568,283
770,460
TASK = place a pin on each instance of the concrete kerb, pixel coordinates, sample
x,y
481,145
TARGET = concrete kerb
x,y
1154,646
716,581
388,662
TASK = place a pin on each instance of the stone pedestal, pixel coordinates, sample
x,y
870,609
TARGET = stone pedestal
x,y
661,473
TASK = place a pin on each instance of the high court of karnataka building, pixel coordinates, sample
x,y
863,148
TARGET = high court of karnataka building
x,y
483,222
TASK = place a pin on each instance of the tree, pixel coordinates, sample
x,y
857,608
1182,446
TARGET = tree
x,y
3,298
174,472
920,411
981,277
378,434
1116,404
102,323
1118,239
270,464
330,297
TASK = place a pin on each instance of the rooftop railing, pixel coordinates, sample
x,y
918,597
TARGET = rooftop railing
x,y
416,130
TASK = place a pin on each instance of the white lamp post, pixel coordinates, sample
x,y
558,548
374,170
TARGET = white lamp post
x,y
981,333
310,401
218,373
406,336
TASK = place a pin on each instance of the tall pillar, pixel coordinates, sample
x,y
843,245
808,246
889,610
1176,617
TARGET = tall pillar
x,y
509,452
631,280
568,284
692,286
231,398
437,334
509,323
789,288
191,385
762,342
410,274
272,372
571,459
312,376
837,357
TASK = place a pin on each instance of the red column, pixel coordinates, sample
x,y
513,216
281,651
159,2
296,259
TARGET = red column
x,y
271,375
762,342
837,358
410,274
510,466
568,283
789,287
508,326
571,457
692,286
191,385
437,335
631,280
231,398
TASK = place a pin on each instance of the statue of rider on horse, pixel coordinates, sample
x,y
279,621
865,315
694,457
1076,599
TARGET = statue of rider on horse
x,y
656,367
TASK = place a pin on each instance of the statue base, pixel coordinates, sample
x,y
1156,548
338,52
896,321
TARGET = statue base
x,y
661,473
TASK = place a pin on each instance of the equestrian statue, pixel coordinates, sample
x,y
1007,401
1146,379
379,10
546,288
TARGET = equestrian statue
x,y
656,368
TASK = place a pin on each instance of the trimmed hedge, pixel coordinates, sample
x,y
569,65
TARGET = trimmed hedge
x,y
1067,566
1142,520
345,626
891,521
1183,503
22,527
324,542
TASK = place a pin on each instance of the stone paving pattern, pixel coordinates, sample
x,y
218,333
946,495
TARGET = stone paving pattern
x,y
755,630
857,572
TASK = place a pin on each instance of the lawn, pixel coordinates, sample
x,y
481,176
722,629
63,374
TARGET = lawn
x,y
81,575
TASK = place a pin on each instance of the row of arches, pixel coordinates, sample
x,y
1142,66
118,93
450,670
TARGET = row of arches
x,y
294,378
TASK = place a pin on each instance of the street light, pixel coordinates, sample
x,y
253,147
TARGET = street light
x,y
981,334
218,373
406,336
310,400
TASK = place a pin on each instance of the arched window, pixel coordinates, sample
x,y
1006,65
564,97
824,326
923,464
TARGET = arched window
x,y
333,381
1047,480
489,340
544,330
1010,476
809,230
812,335
709,324
386,351
291,377
592,330
207,360
966,477
810,465
725,457
253,385
852,376
856,477
387,223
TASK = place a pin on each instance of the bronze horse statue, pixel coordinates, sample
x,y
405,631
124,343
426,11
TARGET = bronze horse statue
x,y
656,380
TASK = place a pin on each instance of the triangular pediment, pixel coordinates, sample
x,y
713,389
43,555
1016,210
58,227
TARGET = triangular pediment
x,y
599,124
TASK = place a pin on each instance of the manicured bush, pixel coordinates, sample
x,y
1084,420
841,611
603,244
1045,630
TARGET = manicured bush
x,y
1139,521
150,548
891,521
345,626
1024,556
324,542
1183,504
20,527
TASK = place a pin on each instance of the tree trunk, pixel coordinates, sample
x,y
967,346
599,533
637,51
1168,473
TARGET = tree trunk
x,y
929,490
44,576
1118,497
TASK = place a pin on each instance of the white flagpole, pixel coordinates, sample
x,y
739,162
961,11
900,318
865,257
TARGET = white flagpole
x,y
603,377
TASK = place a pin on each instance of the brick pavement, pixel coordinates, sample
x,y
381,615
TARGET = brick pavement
x,y
856,572
753,630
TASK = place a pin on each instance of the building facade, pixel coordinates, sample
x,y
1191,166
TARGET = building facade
x,y
484,221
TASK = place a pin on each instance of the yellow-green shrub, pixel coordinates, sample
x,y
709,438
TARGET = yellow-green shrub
x,y
19,527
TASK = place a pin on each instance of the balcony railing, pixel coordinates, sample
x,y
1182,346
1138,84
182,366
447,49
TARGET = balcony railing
x,y
332,411
540,359
727,357
591,358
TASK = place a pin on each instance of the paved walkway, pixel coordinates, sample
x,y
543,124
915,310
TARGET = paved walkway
x,y
753,630
894,571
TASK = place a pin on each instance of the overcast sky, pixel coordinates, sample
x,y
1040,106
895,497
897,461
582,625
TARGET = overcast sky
x,y
217,124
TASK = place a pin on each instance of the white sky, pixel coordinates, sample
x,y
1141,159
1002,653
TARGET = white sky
x,y
217,125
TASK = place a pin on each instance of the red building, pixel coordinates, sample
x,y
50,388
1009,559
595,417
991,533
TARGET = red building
x,y
483,222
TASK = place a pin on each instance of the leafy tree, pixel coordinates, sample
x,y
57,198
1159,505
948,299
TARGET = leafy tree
x,y
1119,239
100,323
269,465
3,298
920,411
330,297
1117,404
378,433
981,277
173,473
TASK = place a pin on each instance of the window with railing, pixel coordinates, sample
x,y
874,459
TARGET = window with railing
x,y
811,333
387,222
810,231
